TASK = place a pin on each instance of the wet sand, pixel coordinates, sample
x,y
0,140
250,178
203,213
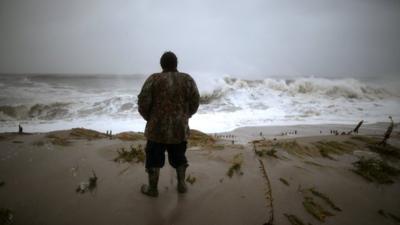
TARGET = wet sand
x,y
41,176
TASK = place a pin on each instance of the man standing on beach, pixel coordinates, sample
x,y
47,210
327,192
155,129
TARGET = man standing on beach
x,y
167,101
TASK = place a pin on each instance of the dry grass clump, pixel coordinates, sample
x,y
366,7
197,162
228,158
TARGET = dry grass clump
x,y
198,138
128,156
86,133
130,136
236,166
376,170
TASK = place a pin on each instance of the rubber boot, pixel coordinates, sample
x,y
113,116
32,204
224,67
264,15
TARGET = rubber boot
x,y
151,189
180,173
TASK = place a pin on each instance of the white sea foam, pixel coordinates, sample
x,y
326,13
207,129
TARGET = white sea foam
x,y
47,103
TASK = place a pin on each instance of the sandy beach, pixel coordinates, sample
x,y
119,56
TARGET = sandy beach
x,y
246,176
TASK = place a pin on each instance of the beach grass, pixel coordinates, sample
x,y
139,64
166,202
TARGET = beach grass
x,y
325,198
376,170
293,219
386,151
130,155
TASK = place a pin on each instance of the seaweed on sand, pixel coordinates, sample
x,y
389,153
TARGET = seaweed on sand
x,y
284,181
376,170
325,198
6,216
315,209
128,156
236,166
294,220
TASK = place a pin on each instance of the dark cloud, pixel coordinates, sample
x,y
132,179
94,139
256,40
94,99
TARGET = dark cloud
x,y
257,37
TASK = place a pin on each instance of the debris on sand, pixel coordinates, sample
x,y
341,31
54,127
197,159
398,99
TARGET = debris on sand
x,y
2,183
376,170
325,198
6,216
284,181
130,136
315,209
236,166
198,138
191,180
293,219
128,156
89,185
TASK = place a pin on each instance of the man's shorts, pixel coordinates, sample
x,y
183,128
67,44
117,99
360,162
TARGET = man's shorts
x,y
155,154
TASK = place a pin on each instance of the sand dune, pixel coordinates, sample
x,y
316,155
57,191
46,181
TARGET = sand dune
x,y
42,171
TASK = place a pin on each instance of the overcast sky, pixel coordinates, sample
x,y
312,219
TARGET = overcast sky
x,y
252,37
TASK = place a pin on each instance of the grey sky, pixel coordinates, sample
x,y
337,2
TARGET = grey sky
x,y
255,37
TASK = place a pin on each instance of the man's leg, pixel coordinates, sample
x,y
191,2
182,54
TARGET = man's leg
x,y
177,159
155,159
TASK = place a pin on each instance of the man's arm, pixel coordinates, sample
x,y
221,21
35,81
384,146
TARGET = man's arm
x,y
194,97
145,98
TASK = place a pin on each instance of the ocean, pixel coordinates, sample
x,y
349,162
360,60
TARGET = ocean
x,y
42,103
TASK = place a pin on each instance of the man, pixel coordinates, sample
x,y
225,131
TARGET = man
x,y
167,101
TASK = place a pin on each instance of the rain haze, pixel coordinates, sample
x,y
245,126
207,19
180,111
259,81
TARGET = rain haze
x,y
245,38
255,62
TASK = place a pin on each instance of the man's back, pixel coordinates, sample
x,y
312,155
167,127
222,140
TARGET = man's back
x,y
167,101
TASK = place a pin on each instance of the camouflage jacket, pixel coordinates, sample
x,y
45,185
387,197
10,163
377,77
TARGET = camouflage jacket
x,y
167,101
